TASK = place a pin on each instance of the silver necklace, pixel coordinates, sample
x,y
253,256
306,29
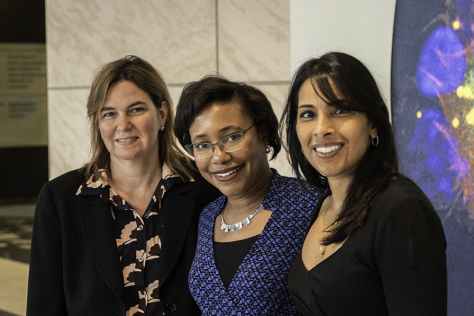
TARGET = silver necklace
x,y
226,227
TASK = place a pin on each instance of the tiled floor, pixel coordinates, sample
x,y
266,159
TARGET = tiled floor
x,y
16,225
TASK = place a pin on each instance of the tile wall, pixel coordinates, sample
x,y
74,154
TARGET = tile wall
x,y
246,40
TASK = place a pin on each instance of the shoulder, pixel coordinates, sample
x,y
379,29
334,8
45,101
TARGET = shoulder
x,y
60,194
67,182
291,188
216,206
403,199
287,193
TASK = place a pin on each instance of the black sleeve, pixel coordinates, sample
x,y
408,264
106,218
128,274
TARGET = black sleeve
x,y
45,283
411,255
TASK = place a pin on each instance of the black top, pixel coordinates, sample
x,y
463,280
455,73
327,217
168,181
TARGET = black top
x,y
394,264
229,256
75,269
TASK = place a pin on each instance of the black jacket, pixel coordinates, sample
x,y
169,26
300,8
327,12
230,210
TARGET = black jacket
x,y
75,268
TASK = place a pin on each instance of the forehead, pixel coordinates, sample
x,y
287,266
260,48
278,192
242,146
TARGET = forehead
x,y
219,116
307,93
124,91
309,90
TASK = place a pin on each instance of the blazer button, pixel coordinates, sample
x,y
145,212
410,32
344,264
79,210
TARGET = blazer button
x,y
172,307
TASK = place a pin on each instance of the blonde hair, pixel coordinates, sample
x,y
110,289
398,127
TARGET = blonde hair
x,y
146,77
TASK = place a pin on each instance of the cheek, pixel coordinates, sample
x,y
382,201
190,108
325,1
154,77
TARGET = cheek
x,y
150,127
105,130
258,156
363,141
303,133
202,166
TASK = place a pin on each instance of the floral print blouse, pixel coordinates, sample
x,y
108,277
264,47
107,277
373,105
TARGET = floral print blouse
x,y
138,241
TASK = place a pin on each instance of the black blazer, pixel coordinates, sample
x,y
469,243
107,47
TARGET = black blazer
x,y
75,268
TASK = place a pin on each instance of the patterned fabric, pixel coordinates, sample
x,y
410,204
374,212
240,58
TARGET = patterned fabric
x,y
259,286
138,242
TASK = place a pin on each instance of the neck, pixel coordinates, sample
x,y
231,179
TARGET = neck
x,y
133,174
339,188
247,203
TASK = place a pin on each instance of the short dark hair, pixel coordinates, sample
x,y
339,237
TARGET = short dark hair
x,y
196,96
343,80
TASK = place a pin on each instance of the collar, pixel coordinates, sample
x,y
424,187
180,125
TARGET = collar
x,y
100,187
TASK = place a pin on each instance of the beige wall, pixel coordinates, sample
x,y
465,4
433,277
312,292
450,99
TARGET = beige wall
x,y
245,40
362,28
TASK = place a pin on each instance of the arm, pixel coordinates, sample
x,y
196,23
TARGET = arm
x,y
45,284
411,256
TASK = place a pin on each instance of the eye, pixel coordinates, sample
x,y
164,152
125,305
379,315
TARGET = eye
x,y
306,114
137,110
201,146
232,138
341,111
107,114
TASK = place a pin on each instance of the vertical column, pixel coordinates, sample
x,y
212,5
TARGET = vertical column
x,y
254,46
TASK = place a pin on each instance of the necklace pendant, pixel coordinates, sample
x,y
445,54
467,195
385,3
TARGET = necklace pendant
x,y
246,221
321,250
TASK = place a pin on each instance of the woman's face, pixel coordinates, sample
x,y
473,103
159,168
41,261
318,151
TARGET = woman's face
x,y
238,173
129,123
333,140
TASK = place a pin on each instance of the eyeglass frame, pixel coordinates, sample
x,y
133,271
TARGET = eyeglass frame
x,y
219,142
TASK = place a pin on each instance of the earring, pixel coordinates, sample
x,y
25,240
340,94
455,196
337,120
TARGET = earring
x,y
375,141
268,149
162,128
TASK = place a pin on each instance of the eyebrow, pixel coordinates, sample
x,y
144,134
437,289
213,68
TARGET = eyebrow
x,y
108,108
222,130
305,106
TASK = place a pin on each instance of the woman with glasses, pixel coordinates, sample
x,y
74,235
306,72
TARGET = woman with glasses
x,y
248,238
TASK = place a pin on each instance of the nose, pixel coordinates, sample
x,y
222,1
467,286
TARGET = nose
x,y
123,123
323,126
219,156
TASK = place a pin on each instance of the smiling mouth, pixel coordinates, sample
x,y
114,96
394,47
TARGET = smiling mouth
x,y
126,139
327,150
227,174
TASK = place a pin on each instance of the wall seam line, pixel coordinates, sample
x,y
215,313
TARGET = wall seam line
x,y
217,37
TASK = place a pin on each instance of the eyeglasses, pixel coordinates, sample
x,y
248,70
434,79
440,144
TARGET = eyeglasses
x,y
228,143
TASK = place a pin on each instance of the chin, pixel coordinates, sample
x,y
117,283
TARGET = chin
x,y
230,189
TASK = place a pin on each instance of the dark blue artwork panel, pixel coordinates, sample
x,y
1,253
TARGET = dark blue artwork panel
x,y
433,119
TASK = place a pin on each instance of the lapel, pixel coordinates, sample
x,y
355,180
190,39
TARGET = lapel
x,y
178,211
97,226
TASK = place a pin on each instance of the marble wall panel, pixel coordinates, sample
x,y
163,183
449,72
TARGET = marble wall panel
x,y
178,37
175,93
254,39
68,130
276,94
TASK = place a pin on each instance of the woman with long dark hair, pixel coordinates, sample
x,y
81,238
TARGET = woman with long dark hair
x,y
376,245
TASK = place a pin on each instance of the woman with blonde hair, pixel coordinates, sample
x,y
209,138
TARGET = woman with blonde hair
x,y
117,237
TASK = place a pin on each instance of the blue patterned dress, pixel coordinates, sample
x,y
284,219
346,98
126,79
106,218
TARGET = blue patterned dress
x,y
260,285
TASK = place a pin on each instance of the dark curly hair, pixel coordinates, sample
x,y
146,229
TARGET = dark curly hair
x,y
196,96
